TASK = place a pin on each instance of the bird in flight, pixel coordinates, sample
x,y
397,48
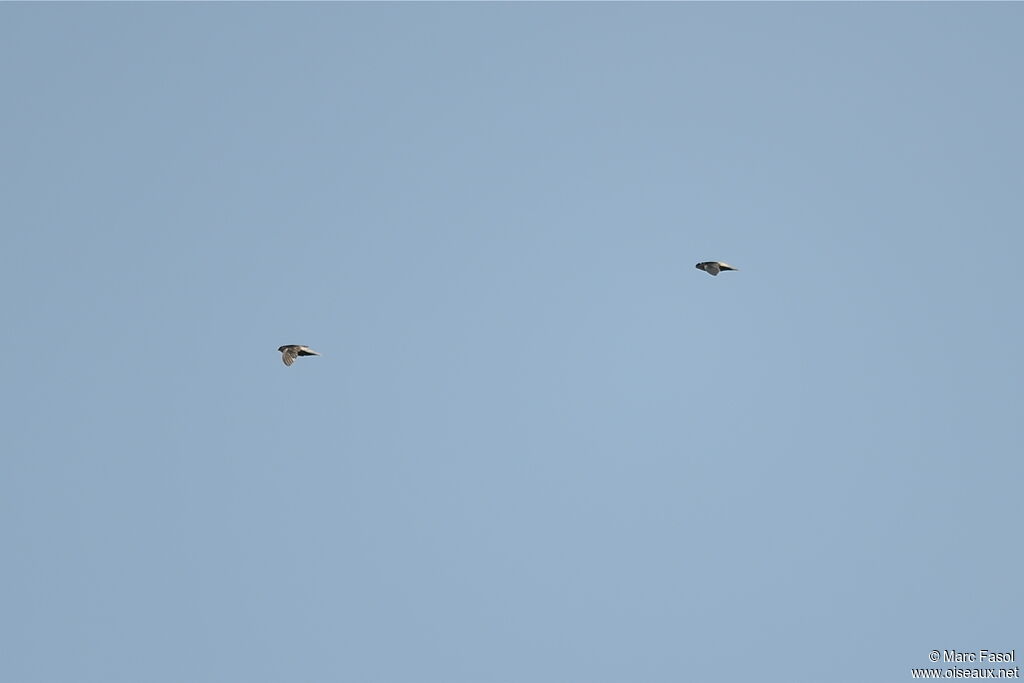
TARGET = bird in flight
x,y
289,352
714,267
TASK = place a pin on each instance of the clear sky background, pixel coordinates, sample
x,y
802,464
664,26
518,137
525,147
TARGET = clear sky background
x,y
539,446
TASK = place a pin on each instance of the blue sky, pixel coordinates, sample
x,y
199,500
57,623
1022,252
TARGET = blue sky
x,y
539,446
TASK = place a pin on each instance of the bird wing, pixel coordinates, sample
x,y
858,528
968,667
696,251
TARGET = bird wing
x,y
711,268
289,355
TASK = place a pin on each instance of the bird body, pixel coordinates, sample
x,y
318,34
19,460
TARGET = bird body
x,y
714,267
289,352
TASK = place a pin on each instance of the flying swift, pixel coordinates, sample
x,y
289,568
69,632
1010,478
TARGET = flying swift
x,y
714,267
289,352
